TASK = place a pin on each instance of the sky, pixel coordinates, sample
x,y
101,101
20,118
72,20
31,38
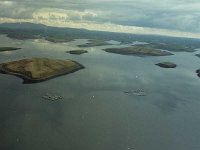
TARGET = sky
x,y
161,17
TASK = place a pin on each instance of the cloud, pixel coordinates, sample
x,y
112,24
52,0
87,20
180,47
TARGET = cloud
x,y
168,17
63,15
6,3
11,9
166,14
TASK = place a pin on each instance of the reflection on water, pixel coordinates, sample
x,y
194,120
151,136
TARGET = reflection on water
x,y
95,112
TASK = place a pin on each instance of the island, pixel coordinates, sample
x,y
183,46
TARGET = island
x,y
77,52
138,50
198,72
25,30
58,40
198,55
94,42
35,70
3,49
166,65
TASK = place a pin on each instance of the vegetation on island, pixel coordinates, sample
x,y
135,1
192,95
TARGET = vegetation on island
x,y
138,50
39,69
94,42
2,49
166,65
57,40
77,52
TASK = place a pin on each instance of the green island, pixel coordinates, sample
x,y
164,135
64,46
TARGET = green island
x,y
39,69
138,50
58,40
3,49
77,52
166,65
94,42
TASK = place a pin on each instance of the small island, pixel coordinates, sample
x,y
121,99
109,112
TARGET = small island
x,y
198,72
138,50
58,40
39,69
77,52
3,49
198,55
166,65
94,42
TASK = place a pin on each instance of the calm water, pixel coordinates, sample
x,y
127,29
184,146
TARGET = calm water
x,y
96,114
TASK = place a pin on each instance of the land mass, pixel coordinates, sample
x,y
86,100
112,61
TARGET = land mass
x,y
166,65
138,50
39,69
94,42
198,55
24,30
2,49
77,52
58,40
198,72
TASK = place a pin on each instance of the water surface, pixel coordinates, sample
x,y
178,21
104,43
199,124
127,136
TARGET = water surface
x,y
95,113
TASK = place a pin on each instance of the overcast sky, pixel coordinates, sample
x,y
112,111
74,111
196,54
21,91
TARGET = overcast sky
x,y
166,17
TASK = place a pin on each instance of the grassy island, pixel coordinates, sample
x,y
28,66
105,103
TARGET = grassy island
x,y
166,65
77,52
138,50
58,40
39,69
2,49
93,42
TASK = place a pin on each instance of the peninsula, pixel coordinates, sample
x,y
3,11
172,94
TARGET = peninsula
x,y
39,69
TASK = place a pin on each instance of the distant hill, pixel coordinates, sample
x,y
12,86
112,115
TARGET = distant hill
x,y
24,25
56,34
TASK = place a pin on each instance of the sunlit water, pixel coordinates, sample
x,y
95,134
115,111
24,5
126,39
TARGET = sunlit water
x,y
95,113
